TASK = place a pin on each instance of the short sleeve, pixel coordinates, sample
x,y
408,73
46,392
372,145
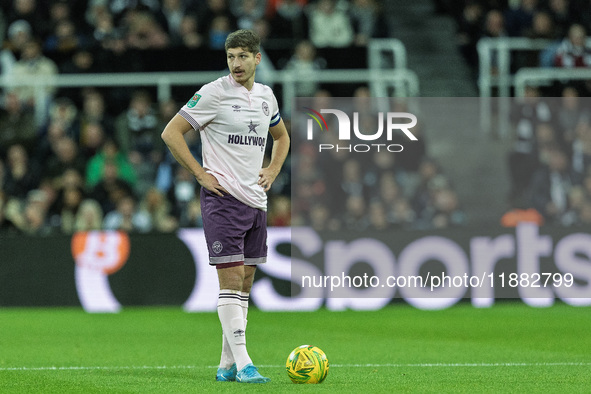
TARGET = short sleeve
x,y
275,117
202,107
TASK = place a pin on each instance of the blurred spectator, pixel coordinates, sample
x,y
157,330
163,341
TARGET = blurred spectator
x,y
550,187
388,190
144,31
469,31
29,216
447,212
89,216
303,63
366,20
115,54
66,208
573,51
208,14
157,207
101,21
189,32
65,40
401,214
19,33
17,124
430,179
91,140
218,31
170,17
524,157
29,11
352,180
21,173
355,216
5,225
378,220
66,155
94,111
182,194
266,68
581,149
33,65
247,12
570,113
329,25
138,134
519,19
288,19
70,178
127,217
111,188
137,127
64,113
494,24
81,62
119,8
193,216
561,15
542,27
109,157
280,211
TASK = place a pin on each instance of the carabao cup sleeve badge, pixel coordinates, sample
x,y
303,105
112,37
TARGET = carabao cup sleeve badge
x,y
191,103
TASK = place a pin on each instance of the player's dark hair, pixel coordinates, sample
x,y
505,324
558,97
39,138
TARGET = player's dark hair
x,y
245,39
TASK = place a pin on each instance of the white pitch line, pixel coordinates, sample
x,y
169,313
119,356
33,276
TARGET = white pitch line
x,y
420,365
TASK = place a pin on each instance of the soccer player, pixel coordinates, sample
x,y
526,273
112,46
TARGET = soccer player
x,y
234,116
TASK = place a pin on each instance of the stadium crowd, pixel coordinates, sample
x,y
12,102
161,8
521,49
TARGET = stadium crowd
x,y
565,23
549,164
96,160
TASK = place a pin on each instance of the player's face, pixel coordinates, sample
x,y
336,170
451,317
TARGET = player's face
x,y
242,65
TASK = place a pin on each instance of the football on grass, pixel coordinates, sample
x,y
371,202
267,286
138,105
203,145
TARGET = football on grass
x,y
307,364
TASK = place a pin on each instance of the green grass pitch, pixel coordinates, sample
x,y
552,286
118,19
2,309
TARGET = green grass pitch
x,y
507,348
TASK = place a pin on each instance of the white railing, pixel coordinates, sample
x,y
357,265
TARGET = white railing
x,y
406,80
378,47
499,51
388,54
540,76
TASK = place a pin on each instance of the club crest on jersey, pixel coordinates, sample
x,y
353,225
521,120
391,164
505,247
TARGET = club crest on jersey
x,y
265,108
217,247
193,102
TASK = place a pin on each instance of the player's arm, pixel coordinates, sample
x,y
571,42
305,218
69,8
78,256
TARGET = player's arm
x,y
281,143
173,136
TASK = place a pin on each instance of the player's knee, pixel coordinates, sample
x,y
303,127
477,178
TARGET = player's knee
x,y
231,278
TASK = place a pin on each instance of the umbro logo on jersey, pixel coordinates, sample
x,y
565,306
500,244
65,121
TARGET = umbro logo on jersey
x,y
236,108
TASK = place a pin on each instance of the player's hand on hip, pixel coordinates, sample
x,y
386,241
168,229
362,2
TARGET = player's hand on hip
x,y
211,183
266,178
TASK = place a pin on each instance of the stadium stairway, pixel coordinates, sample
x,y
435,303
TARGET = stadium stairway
x,y
480,176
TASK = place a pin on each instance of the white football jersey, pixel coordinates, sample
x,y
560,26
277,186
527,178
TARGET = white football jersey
x,y
234,125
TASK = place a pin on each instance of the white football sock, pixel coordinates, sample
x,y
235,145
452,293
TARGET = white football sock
x,y
232,318
227,358
244,304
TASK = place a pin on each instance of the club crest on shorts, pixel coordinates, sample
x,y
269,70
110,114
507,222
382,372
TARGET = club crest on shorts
x,y
193,102
217,247
265,108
